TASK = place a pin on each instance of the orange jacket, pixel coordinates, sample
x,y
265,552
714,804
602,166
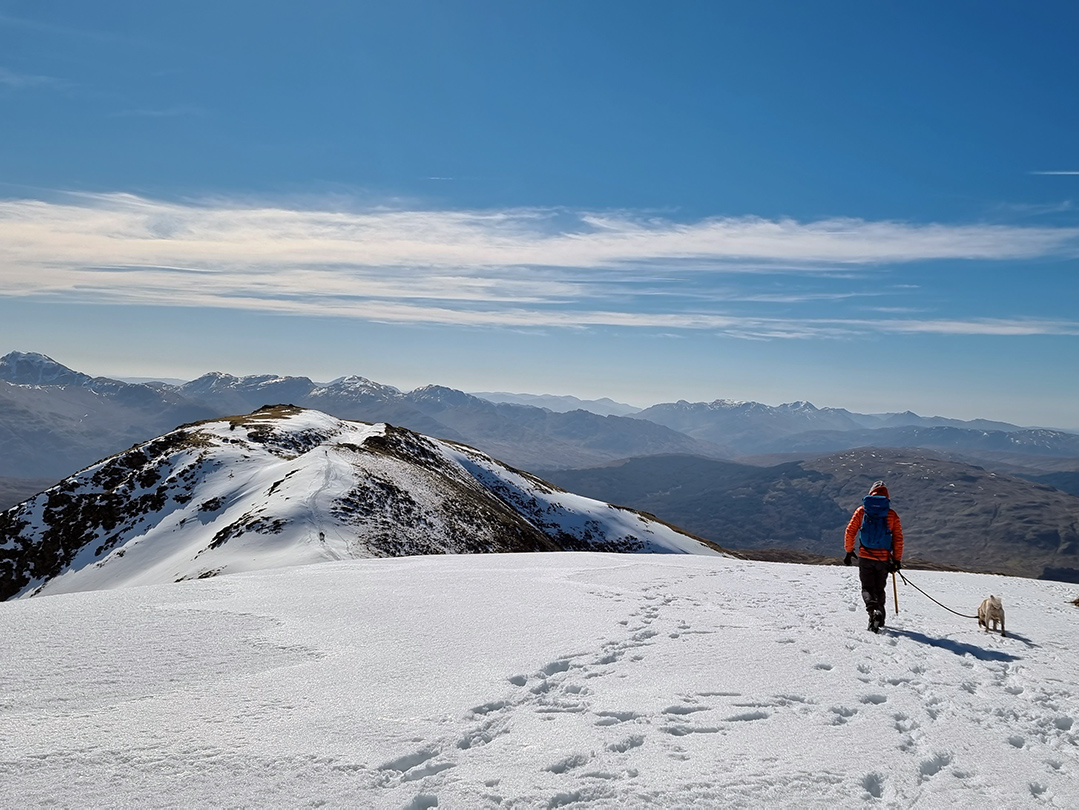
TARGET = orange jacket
x,y
894,526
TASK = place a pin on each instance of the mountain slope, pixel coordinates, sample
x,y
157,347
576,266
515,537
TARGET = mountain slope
x,y
54,420
540,681
287,486
531,437
952,513
32,368
1064,481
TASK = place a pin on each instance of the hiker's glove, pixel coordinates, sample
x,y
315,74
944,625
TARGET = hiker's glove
x,y
896,565
851,556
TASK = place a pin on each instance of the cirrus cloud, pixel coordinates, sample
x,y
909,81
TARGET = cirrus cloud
x,y
539,268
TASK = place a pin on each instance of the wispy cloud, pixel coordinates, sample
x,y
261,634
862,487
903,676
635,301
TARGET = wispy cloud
x,y
20,81
176,111
1035,209
1056,172
52,29
520,268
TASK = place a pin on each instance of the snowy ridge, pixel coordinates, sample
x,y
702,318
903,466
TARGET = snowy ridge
x,y
287,486
33,368
561,513
540,681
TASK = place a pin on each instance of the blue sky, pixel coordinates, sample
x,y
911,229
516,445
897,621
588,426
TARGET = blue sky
x,y
866,205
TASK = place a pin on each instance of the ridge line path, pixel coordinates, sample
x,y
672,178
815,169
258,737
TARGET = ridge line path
x,y
541,681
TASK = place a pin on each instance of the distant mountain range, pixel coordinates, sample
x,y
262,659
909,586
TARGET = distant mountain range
x,y
288,486
562,404
753,428
54,420
952,513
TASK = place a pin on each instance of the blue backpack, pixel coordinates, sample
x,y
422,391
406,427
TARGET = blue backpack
x,y
875,532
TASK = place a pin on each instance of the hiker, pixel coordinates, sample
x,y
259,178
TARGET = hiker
x,y
876,527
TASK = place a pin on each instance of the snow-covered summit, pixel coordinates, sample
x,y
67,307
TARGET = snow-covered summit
x,y
288,486
217,382
354,382
353,389
800,405
32,368
442,396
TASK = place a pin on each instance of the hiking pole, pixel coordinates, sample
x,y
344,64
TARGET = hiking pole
x,y
895,592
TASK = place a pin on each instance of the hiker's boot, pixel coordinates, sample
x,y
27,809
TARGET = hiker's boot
x,y
876,620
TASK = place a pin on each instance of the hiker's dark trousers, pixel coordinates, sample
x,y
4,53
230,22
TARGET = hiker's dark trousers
x,y
874,576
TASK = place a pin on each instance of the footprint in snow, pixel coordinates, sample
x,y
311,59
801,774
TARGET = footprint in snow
x,y
931,767
873,783
409,761
749,716
555,667
684,710
842,715
430,769
613,718
683,730
622,746
569,763
487,708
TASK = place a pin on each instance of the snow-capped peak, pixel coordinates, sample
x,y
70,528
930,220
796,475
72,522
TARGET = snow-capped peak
x,y
32,368
291,486
445,396
799,405
353,383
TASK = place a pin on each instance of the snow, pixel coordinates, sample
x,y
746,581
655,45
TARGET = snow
x,y
178,541
280,488
35,369
536,681
571,513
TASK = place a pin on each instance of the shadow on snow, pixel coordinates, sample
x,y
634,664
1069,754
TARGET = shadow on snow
x,y
958,647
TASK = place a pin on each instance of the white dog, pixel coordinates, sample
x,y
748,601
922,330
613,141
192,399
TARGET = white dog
x,y
991,611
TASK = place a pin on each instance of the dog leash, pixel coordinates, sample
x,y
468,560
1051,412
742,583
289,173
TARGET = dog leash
x,y
931,599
